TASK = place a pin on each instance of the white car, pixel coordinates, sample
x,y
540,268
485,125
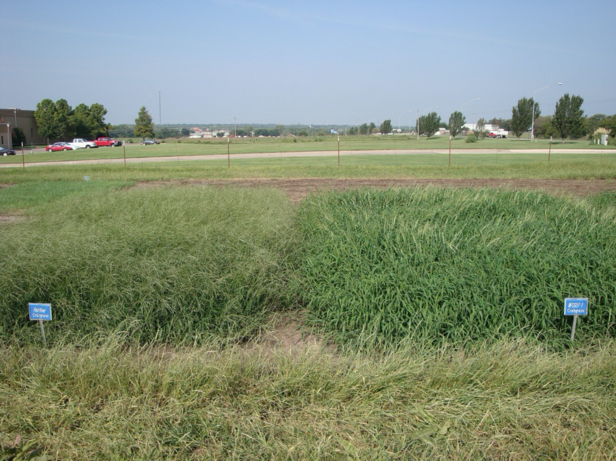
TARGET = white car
x,y
80,143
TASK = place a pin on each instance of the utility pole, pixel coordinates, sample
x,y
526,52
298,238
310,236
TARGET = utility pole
x,y
417,125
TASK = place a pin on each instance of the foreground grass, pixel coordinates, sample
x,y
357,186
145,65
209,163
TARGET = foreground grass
x,y
509,401
532,166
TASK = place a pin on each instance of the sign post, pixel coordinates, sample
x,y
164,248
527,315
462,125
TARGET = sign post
x,y
575,307
40,312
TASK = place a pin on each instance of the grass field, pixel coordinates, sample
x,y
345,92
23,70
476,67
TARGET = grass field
x,y
431,318
567,166
277,145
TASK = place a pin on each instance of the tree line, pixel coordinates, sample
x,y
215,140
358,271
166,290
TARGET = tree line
x,y
58,120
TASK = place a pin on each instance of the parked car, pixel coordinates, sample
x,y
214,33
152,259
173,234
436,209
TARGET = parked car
x,y
500,133
4,151
145,142
80,143
104,141
59,146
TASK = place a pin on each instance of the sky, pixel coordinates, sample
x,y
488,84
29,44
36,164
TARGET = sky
x,y
310,62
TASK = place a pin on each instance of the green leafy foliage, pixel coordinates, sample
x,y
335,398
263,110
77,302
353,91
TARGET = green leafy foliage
x,y
428,124
144,126
167,132
45,119
62,119
89,122
58,120
444,266
568,117
471,138
522,116
480,128
456,122
610,124
122,131
386,127
544,127
18,137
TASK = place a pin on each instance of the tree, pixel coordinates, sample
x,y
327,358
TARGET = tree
x,y
185,132
363,128
62,119
544,127
568,117
97,120
592,123
456,122
144,127
480,128
522,116
122,131
428,124
45,119
166,132
386,127
609,123
89,122
371,127
18,136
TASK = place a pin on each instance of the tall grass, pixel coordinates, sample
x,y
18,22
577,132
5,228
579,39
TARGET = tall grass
x,y
455,266
508,401
166,264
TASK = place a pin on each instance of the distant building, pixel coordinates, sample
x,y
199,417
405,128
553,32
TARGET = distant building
x,y
442,132
486,127
24,119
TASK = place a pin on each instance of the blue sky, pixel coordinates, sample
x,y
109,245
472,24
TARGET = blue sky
x,y
313,62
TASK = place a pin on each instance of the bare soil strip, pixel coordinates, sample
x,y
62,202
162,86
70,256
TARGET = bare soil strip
x,y
298,189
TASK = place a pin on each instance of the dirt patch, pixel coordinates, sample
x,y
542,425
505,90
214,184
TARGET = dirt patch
x,y
286,333
11,219
298,189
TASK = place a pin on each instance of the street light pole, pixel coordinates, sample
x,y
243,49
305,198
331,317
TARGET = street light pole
x,y
465,103
9,141
15,109
532,126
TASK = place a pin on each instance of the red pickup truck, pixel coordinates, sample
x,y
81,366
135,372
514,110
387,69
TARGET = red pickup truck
x,y
103,141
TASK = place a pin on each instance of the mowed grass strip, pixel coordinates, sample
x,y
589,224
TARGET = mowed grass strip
x,y
508,401
440,266
471,166
165,264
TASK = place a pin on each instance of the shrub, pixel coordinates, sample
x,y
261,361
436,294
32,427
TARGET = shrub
x,y
471,138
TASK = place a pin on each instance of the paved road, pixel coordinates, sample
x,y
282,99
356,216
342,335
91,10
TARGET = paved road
x,y
312,154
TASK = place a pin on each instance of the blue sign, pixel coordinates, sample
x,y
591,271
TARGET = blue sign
x,y
40,311
576,306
